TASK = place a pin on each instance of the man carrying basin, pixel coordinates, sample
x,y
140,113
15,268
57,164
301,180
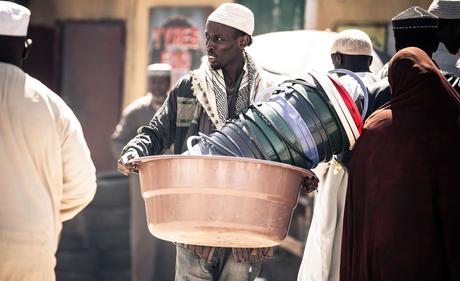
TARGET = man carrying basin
x,y
200,102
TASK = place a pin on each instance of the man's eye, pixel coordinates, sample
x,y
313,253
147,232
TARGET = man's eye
x,y
219,38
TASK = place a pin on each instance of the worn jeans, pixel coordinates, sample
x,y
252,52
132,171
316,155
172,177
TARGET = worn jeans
x,y
223,267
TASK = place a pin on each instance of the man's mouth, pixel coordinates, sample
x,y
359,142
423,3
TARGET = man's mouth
x,y
211,58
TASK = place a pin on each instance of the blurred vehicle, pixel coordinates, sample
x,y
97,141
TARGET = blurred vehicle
x,y
290,54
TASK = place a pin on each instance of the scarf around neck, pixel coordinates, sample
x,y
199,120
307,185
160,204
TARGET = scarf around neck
x,y
208,86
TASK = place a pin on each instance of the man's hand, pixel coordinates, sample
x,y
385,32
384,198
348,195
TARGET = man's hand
x,y
123,164
309,184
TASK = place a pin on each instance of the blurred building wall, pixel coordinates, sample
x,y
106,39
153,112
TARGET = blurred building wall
x,y
331,12
319,14
136,15
370,16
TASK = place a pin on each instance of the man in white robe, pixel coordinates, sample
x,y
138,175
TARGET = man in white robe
x,y
46,173
351,50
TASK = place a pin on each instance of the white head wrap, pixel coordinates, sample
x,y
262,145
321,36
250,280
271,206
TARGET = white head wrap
x,y
234,15
159,69
352,42
14,19
445,9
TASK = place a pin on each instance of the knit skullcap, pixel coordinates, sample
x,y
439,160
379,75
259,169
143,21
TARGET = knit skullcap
x,y
352,42
234,15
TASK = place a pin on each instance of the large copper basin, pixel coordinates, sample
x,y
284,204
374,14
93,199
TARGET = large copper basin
x,y
218,200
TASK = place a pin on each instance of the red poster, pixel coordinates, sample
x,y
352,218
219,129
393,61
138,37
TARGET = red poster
x,y
177,36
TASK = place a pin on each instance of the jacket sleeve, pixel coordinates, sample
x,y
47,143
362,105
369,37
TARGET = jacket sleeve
x,y
160,133
79,173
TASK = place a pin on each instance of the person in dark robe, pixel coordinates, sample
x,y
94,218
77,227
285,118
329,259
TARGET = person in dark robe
x,y
402,208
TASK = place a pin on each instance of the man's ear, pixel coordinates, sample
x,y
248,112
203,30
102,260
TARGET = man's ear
x,y
243,41
336,59
27,46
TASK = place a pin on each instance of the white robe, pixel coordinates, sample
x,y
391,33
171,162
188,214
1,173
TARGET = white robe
x,y
321,258
46,174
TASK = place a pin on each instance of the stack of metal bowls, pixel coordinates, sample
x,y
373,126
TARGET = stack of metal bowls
x,y
305,122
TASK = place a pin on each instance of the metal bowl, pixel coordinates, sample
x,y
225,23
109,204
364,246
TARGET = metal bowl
x,y
219,201
284,128
258,134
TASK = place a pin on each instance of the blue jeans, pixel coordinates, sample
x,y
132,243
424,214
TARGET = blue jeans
x,y
223,267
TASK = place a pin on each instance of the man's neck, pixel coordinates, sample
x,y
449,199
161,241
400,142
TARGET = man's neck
x,y
10,60
232,73
357,68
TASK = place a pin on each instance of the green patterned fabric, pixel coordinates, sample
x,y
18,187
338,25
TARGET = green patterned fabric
x,y
186,111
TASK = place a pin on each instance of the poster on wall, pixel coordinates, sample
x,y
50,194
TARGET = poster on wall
x,y
176,37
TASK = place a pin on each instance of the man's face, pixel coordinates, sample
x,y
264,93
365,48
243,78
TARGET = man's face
x,y
222,44
159,85
449,34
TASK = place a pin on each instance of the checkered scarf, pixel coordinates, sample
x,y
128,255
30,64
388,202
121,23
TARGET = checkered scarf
x,y
209,87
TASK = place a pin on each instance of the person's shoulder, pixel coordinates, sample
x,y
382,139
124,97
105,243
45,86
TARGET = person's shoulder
x,y
36,87
380,117
186,79
183,86
139,104
379,86
379,94
370,78
383,72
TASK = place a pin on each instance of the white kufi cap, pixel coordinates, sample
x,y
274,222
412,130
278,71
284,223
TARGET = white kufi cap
x,y
159,69
352,42
14,19
445,9
234,15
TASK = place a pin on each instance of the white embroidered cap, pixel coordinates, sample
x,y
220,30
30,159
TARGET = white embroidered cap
x,y
352,42
14,19
234,15
159,69
445,9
